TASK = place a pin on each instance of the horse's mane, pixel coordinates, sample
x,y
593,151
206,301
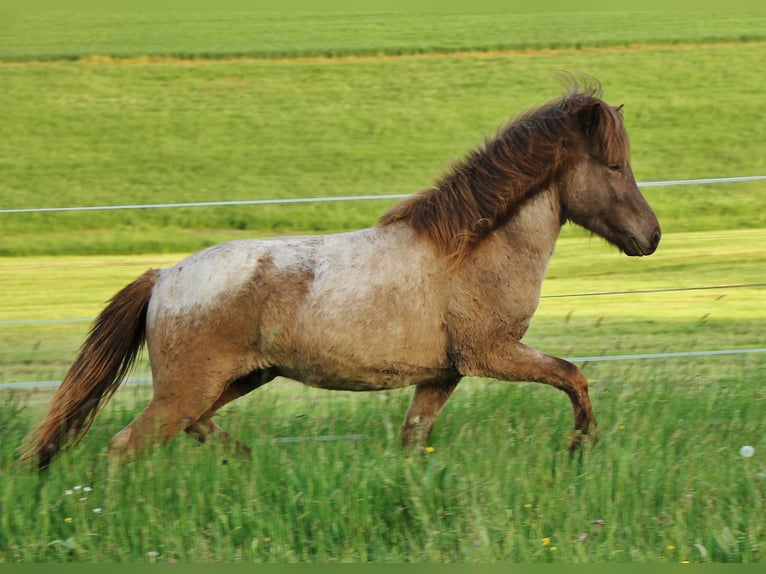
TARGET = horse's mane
x,y
484,189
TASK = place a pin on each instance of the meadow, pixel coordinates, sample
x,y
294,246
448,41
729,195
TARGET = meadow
x,y
131,108
101,131
205,34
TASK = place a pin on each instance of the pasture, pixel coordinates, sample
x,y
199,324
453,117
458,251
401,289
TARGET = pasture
x,y
328,481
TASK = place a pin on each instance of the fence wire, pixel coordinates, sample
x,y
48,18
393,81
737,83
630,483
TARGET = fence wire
x,y
668,183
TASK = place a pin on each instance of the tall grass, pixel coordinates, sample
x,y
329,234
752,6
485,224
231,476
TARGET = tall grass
x,y
666,483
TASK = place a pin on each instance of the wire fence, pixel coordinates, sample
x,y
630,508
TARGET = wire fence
x,y
19,385
669,183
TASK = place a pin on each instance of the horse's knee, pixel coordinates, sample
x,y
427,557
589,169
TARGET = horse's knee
x,y
589,435
573,377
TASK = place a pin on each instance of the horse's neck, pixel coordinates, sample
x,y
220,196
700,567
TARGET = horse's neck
x,y
499,284
521,248
534,228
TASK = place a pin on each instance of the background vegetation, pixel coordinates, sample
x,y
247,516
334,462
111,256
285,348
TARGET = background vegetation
x,y
128,108
104,131
61,35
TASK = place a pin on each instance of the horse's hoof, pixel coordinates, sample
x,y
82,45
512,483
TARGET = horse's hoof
x,y
579,439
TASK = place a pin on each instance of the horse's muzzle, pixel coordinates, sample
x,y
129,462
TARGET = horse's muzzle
x,y
637,248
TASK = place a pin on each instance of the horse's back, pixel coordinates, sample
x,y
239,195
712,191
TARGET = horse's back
x,y
203,279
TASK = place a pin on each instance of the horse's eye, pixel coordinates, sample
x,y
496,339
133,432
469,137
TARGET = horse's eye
x,y
615,167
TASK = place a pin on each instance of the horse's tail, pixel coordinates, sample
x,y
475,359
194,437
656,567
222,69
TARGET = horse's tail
x,y
105,358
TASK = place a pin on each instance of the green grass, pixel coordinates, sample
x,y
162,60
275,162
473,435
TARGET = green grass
x,y
138,132
210,34
666,483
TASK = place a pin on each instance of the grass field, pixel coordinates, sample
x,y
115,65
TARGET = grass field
x,y
58,35
113,132
185,108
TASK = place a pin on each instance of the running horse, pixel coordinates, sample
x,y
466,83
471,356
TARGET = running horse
x,y
443,287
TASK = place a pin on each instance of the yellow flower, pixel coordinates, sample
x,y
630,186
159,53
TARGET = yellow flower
x,y
527,505
546,541
68,519
684,561
430,449
671,547
553,548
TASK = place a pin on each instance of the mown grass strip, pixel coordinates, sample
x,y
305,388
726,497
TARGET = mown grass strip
x,y
61,35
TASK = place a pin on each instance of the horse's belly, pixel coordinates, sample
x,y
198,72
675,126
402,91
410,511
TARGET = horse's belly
x,y
364,379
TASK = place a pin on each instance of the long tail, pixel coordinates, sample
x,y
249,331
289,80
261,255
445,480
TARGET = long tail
x,y
106,356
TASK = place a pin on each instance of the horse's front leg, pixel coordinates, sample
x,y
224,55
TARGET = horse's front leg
x,y
517,362
426,405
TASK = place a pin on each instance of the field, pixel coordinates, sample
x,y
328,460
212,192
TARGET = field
x,y
107,110
100,131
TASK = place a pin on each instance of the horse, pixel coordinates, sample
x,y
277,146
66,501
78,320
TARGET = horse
x,y
443,287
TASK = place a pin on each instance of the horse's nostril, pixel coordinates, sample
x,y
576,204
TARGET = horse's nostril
x,y
656,239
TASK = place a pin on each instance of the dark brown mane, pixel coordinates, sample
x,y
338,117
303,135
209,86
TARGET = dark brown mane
x,y
481,191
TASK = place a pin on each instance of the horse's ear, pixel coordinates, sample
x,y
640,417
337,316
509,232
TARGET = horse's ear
x,y
589,117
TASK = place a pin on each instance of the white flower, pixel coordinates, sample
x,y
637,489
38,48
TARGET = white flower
x,y
78,487
98,510
87,489
69,492
747,451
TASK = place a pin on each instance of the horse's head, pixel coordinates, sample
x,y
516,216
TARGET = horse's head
x,y
600,192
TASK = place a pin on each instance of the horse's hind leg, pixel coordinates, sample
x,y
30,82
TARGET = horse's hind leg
x,y
184,395
205,427
425,408
163,418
